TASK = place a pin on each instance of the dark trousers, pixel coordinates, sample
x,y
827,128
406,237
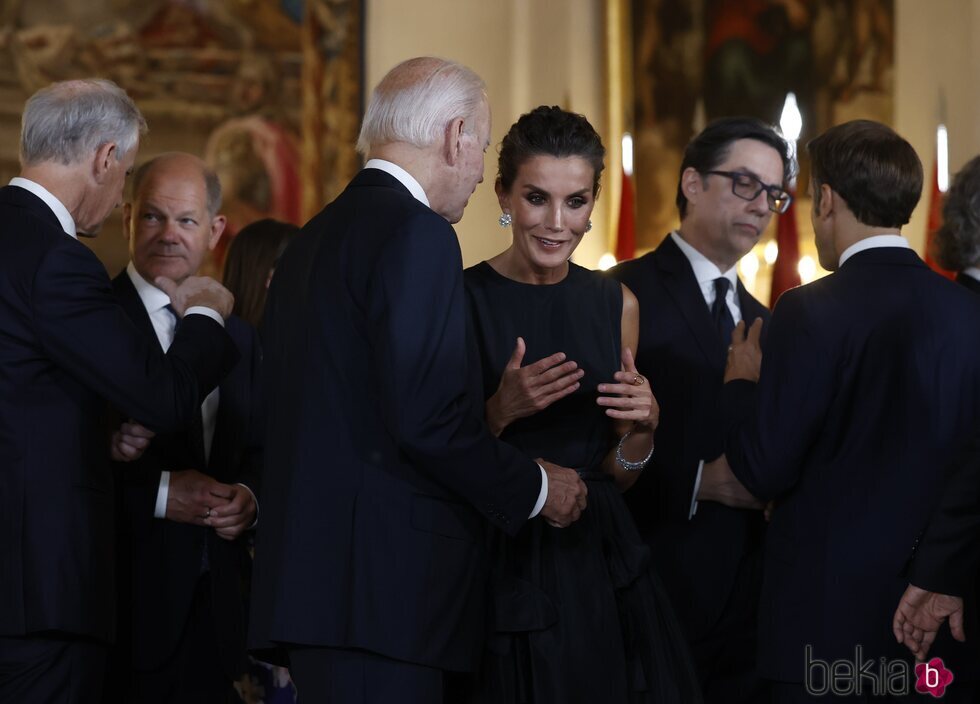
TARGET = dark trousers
x,y
340,676
193,674
51,670
726,656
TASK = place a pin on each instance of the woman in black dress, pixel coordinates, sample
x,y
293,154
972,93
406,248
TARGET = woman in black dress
x,y
578,615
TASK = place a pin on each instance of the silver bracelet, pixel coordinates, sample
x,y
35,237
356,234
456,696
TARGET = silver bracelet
x,y
625,463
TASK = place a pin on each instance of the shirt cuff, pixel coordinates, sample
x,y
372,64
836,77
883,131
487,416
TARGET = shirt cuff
x,y
697,487
542,495
256,521
160,510
204,310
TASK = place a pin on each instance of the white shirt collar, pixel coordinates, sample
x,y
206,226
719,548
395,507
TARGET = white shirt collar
x,y
405,178
705,271
57,207
153,298
873,243
973,272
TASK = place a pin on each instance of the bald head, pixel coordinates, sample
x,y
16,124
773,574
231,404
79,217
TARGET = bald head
x,y
172,222
183,161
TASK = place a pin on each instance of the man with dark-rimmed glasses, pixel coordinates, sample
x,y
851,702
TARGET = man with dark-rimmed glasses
x,y
704,528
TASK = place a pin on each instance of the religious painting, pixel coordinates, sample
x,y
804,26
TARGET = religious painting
x,y
269,92
698,60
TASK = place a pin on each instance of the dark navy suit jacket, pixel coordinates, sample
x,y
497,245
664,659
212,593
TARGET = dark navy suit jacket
x,y
870,384
379,475
66,347
164,557
683,356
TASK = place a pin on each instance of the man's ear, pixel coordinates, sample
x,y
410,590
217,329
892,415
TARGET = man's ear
x,y
826,201
104,156
218,223
691,184
454,140
127,223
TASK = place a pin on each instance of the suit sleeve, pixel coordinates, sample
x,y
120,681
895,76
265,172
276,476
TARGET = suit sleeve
x,y
85,331
770,427
947,557
420,331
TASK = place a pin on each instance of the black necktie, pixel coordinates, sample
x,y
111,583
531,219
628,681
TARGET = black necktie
x,y
172,312
722,317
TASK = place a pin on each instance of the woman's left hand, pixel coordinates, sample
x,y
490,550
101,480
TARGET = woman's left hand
x,y
631,397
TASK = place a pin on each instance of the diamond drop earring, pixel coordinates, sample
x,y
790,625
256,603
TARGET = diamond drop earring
x,y
505,220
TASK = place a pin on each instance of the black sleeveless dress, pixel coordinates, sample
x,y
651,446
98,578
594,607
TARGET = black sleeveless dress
x,y
578,616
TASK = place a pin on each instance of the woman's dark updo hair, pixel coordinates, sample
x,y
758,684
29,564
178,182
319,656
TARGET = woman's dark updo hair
x,y
549,131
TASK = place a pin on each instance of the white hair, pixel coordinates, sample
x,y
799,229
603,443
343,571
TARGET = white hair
x,y
66,121
417,99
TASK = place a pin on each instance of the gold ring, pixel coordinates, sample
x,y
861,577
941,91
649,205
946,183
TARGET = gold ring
x,y
638,380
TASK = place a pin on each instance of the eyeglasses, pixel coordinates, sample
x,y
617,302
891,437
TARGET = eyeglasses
x,y
748,187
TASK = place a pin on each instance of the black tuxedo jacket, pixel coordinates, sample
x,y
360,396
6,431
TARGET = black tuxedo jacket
x,y
948,554
682,355
164,557
66,347
870,384
379,474
969,282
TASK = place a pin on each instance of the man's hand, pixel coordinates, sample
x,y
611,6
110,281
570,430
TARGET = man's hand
x,y
523,391
719,483
566,495
745,353
193,496
919,616
129,442
231,519
197,291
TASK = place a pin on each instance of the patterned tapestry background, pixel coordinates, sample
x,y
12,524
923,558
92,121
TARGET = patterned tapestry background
x,y
701,59
269,91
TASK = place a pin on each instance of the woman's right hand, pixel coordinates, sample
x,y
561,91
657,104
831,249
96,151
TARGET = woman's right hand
x,y
524,391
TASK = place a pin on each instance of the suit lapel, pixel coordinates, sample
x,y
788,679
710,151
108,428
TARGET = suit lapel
x,y
678,278
752,309
133,304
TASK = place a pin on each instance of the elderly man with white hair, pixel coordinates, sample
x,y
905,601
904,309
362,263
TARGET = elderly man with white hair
x,y
381,478
66,349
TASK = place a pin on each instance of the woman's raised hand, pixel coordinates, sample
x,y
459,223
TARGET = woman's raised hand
x,y
523,391
631,397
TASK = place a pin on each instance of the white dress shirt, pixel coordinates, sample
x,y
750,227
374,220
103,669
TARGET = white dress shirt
x,y
973,272
706,272
874,242
415,188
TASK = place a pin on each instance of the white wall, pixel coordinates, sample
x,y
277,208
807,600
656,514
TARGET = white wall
x,y
935,50
551,51
529,52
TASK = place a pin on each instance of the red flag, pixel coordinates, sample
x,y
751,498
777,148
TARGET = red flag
x,y
626,235
785,272
935,221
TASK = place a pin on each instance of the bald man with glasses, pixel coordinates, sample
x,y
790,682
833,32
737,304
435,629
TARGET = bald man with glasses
x,y
705,530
